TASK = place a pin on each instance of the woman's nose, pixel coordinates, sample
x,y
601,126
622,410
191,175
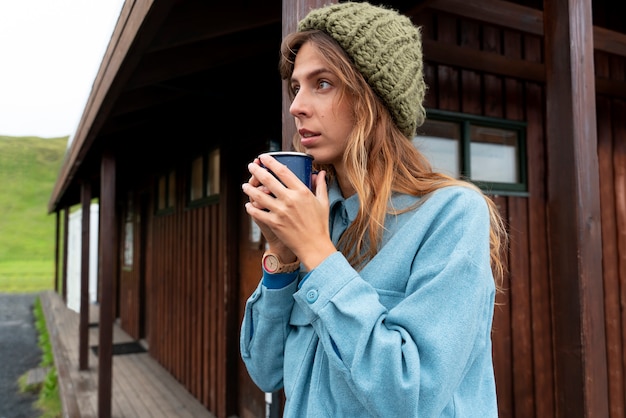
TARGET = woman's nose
x,y
299,105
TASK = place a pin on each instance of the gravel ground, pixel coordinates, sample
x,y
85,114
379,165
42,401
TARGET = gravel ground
x,y
19,353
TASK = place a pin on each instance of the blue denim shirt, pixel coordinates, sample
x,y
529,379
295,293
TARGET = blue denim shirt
x,y
407,336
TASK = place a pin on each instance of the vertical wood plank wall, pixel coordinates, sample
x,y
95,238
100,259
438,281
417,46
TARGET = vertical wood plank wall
x,y
611,120
522,323
522,332
184,297
185,300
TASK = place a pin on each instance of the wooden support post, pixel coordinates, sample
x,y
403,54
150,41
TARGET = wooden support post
x,y
57,239
107,278
574,226
293,12
66,227
83,327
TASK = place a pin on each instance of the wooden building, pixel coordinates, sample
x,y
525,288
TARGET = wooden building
x,y
188,92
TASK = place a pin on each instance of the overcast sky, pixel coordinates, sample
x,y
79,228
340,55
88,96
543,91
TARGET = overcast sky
x,y
50,53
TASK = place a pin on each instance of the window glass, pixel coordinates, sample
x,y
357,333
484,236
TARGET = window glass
x,y
162,203
439,141
204,181
197,178
171,190
493,154
213,182
129,233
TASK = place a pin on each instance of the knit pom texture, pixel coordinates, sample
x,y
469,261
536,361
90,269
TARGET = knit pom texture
x,y
386,48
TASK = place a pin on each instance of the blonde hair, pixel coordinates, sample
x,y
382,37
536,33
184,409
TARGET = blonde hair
x,y
379,159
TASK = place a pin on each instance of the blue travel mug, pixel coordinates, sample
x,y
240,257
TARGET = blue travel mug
x,y
299,163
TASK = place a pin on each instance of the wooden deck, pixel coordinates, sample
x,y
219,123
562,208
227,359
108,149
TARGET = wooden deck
x,y
141,387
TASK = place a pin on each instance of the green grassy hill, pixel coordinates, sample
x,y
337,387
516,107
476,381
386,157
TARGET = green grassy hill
x,y
29,167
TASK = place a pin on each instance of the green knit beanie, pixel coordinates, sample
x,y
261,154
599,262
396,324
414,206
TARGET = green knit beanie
x,y
386,48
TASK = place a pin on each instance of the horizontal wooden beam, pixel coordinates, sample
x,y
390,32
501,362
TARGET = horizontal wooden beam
x,y
525,19
613,88
609,41
488,62
497,12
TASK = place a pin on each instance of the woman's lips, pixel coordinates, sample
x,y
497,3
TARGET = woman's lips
x,y
307,142
307,138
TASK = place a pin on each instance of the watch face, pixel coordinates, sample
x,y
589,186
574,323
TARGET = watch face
x,y
270,263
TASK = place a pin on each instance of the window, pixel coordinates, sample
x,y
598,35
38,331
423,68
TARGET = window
x,y
213,175
489,152
129,241
204,184
197,179
166,192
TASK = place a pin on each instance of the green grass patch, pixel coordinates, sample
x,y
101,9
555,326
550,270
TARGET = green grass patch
x,y
26,387
29,167
26,276
49,401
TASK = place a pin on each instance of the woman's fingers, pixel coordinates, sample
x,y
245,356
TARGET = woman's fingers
x,y
321,188
287,178
259,197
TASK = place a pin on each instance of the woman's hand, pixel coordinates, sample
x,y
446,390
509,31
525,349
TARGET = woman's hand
x,y
293,220
275,245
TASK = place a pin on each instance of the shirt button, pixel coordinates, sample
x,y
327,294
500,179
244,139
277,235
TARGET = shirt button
x,y
311,295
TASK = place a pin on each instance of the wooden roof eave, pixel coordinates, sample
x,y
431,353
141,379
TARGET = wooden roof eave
x,y
148,33
117,65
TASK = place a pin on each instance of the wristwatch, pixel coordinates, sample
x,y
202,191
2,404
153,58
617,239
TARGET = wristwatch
x,y
273,265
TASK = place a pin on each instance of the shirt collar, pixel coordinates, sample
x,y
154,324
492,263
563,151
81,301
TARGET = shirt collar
x,y
351,204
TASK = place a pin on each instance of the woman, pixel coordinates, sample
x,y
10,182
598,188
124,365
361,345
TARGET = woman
x,y
383,301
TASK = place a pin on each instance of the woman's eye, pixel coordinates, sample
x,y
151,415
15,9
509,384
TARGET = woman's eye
x,y
295,89
323,84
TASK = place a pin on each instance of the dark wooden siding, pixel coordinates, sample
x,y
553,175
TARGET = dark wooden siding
x,y
522,345
252,400
611,120
129,297
185,294
186,300
522,332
